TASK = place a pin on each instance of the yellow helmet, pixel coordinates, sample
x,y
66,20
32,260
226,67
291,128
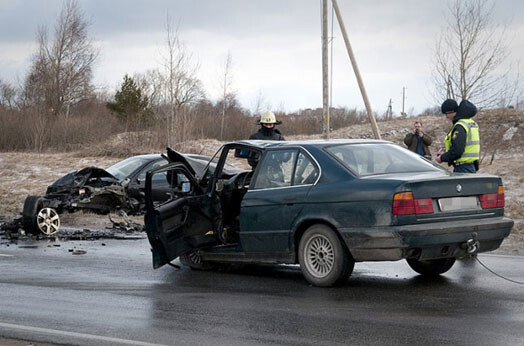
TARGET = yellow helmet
x,y
269,118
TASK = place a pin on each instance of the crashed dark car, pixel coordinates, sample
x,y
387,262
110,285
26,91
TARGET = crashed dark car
x,y
119,188
324,205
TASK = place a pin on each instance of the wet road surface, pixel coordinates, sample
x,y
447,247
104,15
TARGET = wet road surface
x,y
111,296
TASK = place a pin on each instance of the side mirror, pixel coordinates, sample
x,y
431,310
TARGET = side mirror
x,y
185,187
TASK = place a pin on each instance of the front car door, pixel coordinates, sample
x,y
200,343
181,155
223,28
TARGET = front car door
x,y
187,220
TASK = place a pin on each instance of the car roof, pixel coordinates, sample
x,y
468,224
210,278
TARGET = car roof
x,y
158,156
313,142
147,156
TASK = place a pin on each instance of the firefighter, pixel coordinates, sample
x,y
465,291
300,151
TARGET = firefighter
x,y
463,139
267,129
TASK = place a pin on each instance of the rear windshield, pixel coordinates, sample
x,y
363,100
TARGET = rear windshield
x,y
380,158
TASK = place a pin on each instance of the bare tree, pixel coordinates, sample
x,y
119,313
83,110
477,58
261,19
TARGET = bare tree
x,y
151,83
7,95
260,104
182,87
470,53
226,85
61,72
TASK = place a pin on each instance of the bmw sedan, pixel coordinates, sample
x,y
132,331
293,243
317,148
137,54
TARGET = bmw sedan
x,y
324,205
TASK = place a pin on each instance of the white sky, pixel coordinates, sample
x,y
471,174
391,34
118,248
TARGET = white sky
x,y
275,45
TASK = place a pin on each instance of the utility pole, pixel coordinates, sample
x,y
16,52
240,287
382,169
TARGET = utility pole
x,y
325,69
389,113
372,120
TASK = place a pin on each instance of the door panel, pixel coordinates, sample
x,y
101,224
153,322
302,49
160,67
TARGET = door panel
x,y
278,195
185,222
267,217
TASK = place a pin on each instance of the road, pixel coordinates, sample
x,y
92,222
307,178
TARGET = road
x,y
111,296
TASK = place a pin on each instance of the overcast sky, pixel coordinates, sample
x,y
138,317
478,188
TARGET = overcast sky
x,y
275,45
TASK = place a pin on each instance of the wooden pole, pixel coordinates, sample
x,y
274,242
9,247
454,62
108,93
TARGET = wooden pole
x,y
325,68
374,126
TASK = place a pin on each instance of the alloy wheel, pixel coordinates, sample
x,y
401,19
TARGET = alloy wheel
x,y
48,221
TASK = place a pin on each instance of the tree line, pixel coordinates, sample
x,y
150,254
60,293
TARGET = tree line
x,y
58,106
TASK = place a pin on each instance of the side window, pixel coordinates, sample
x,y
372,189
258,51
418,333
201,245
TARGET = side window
x,y
177,180
276,170
306,172
151,166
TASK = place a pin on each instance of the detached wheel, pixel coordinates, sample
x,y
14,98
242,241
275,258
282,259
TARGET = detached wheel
x,y
194,261
37,218
431,267
324,260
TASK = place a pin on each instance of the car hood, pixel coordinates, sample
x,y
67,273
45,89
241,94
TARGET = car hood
x,y
85,176
199,165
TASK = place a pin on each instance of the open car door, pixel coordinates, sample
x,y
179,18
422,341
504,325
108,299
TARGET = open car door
x,y
188,220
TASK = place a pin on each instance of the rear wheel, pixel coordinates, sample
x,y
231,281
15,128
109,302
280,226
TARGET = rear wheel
x,y
323,258
194,261
38,218
431,267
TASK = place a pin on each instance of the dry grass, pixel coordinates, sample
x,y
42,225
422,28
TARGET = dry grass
x,y
25,174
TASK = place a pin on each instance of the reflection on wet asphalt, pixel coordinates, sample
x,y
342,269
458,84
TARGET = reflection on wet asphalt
x,y
112,290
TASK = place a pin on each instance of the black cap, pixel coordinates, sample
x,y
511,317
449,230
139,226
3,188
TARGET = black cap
x,y
448,106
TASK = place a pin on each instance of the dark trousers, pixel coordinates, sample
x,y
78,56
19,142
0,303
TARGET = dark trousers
x,y
465,168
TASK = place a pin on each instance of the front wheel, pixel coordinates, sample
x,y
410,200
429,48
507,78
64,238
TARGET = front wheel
x,y
38,218
431,267
194,261
324,260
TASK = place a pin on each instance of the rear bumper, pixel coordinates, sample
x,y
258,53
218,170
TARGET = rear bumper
x,y
424,241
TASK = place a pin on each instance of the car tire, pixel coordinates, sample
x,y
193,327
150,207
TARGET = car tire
x,y
32,205
35,209
324,259
194,261
431,267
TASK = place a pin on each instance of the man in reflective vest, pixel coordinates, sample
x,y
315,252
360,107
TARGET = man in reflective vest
x,y
463,139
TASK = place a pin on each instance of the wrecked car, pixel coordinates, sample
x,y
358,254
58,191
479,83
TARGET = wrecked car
x,y
119,188
324,205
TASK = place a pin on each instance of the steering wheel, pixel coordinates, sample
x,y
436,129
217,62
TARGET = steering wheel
x,y
275,174
242,186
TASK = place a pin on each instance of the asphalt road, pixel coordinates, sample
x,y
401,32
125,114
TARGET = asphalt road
x,y
111,296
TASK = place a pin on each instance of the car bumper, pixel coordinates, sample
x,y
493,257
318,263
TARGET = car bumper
x,y
425,241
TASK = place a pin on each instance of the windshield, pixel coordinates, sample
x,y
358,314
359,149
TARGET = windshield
x,y
371,159
123,169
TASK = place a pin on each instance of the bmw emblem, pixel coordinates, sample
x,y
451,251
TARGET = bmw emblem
x,y
459,187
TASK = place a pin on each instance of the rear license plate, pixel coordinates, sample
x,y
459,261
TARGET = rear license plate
x,y
457,203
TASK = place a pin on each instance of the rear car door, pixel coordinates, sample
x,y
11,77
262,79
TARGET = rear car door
x,y
275,199
187,220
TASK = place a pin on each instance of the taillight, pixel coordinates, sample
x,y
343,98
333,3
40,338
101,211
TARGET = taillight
x,y
493,200
405,204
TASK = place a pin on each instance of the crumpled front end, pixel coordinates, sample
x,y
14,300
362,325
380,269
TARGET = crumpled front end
x,y
91,188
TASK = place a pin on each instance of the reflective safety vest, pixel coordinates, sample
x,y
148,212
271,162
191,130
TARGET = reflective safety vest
x,y
472,148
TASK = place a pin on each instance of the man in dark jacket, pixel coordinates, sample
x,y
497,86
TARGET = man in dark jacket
x,y
417,141
267,129
463,139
